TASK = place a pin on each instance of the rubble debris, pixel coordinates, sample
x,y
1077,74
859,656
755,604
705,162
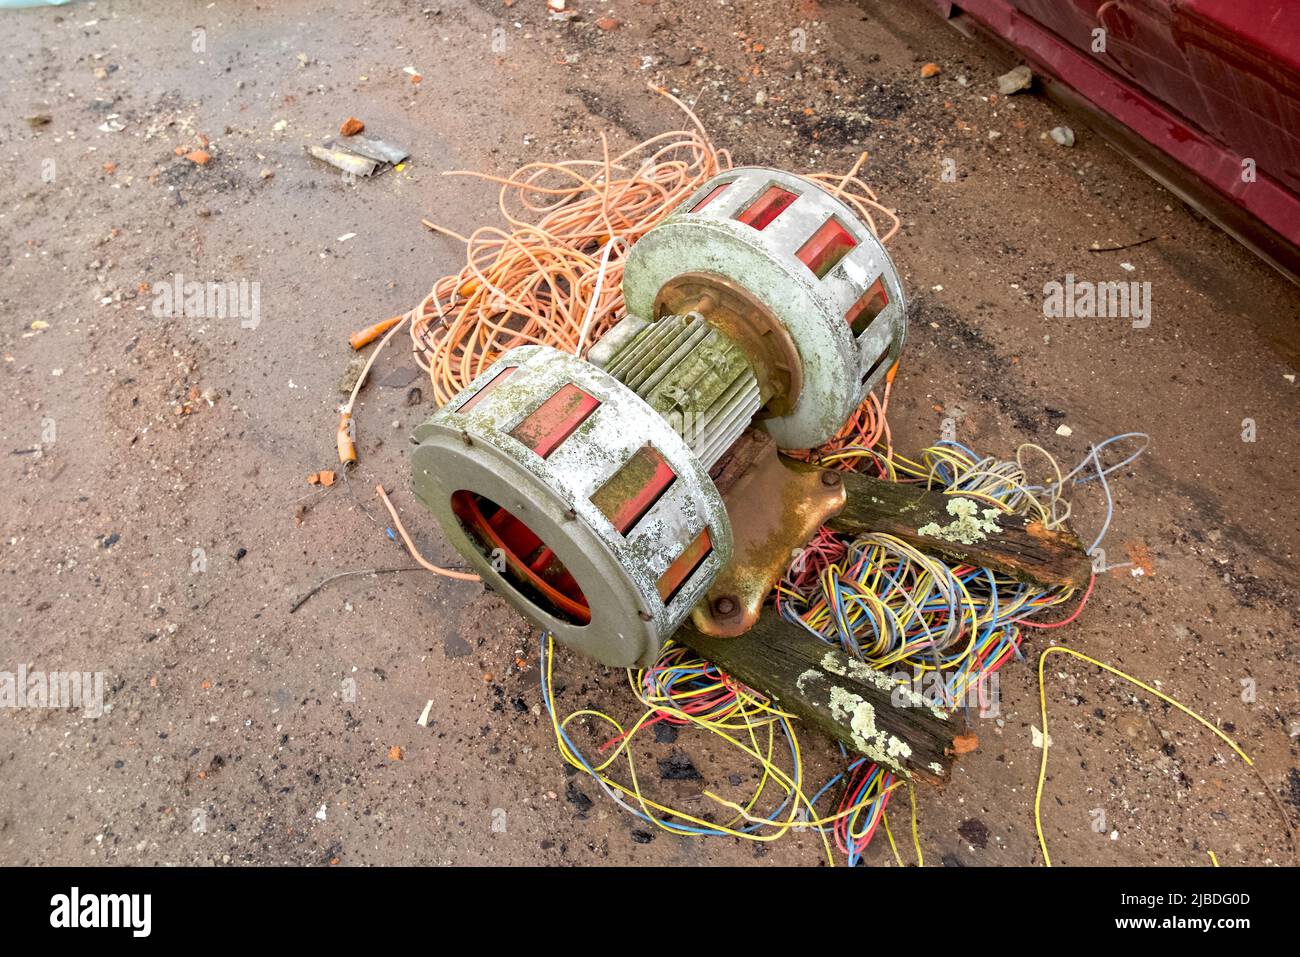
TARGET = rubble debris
x,y
930,70
580,801
1062,135
348,162
351,127
351,374
678,767
1097,247
975,832
965,743
377,150
359,155
1014,81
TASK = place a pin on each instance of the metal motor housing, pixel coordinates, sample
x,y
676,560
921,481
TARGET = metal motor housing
x,y
629,512
581,490
772,233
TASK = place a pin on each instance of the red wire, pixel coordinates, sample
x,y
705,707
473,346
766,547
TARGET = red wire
x,y
1057,624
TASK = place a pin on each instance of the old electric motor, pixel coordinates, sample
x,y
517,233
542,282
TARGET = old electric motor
x,y
580,489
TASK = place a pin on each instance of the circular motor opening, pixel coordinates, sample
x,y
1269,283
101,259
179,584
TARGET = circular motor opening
x,y
530,564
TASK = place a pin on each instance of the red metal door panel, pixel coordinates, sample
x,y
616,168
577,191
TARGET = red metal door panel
x,y
1210,83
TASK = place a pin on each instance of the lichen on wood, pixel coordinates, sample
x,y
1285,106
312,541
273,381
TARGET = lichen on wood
x,y
969,525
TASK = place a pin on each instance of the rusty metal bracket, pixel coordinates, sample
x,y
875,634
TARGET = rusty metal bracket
x,y
775,505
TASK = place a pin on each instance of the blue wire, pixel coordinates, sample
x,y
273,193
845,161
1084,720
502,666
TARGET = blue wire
x,y
690,829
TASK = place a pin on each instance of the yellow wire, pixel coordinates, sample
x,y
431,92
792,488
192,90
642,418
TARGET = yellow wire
x,y
791,786
884,819
1042,701
818,822
916,837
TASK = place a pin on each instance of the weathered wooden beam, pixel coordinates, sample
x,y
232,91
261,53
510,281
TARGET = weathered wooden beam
x,y
835,694
869,711
1025,550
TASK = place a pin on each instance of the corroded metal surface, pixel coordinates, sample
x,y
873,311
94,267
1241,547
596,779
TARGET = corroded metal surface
x,y
776,506
468,444
838,363
746,322
693,375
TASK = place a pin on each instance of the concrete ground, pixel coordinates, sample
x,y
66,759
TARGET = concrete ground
x,y
164,548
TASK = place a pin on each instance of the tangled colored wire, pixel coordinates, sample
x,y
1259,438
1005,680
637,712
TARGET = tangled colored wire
x,y
888,604
682,690
554,278
882,601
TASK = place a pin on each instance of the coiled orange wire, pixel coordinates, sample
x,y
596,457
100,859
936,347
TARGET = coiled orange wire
x,y
535,283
